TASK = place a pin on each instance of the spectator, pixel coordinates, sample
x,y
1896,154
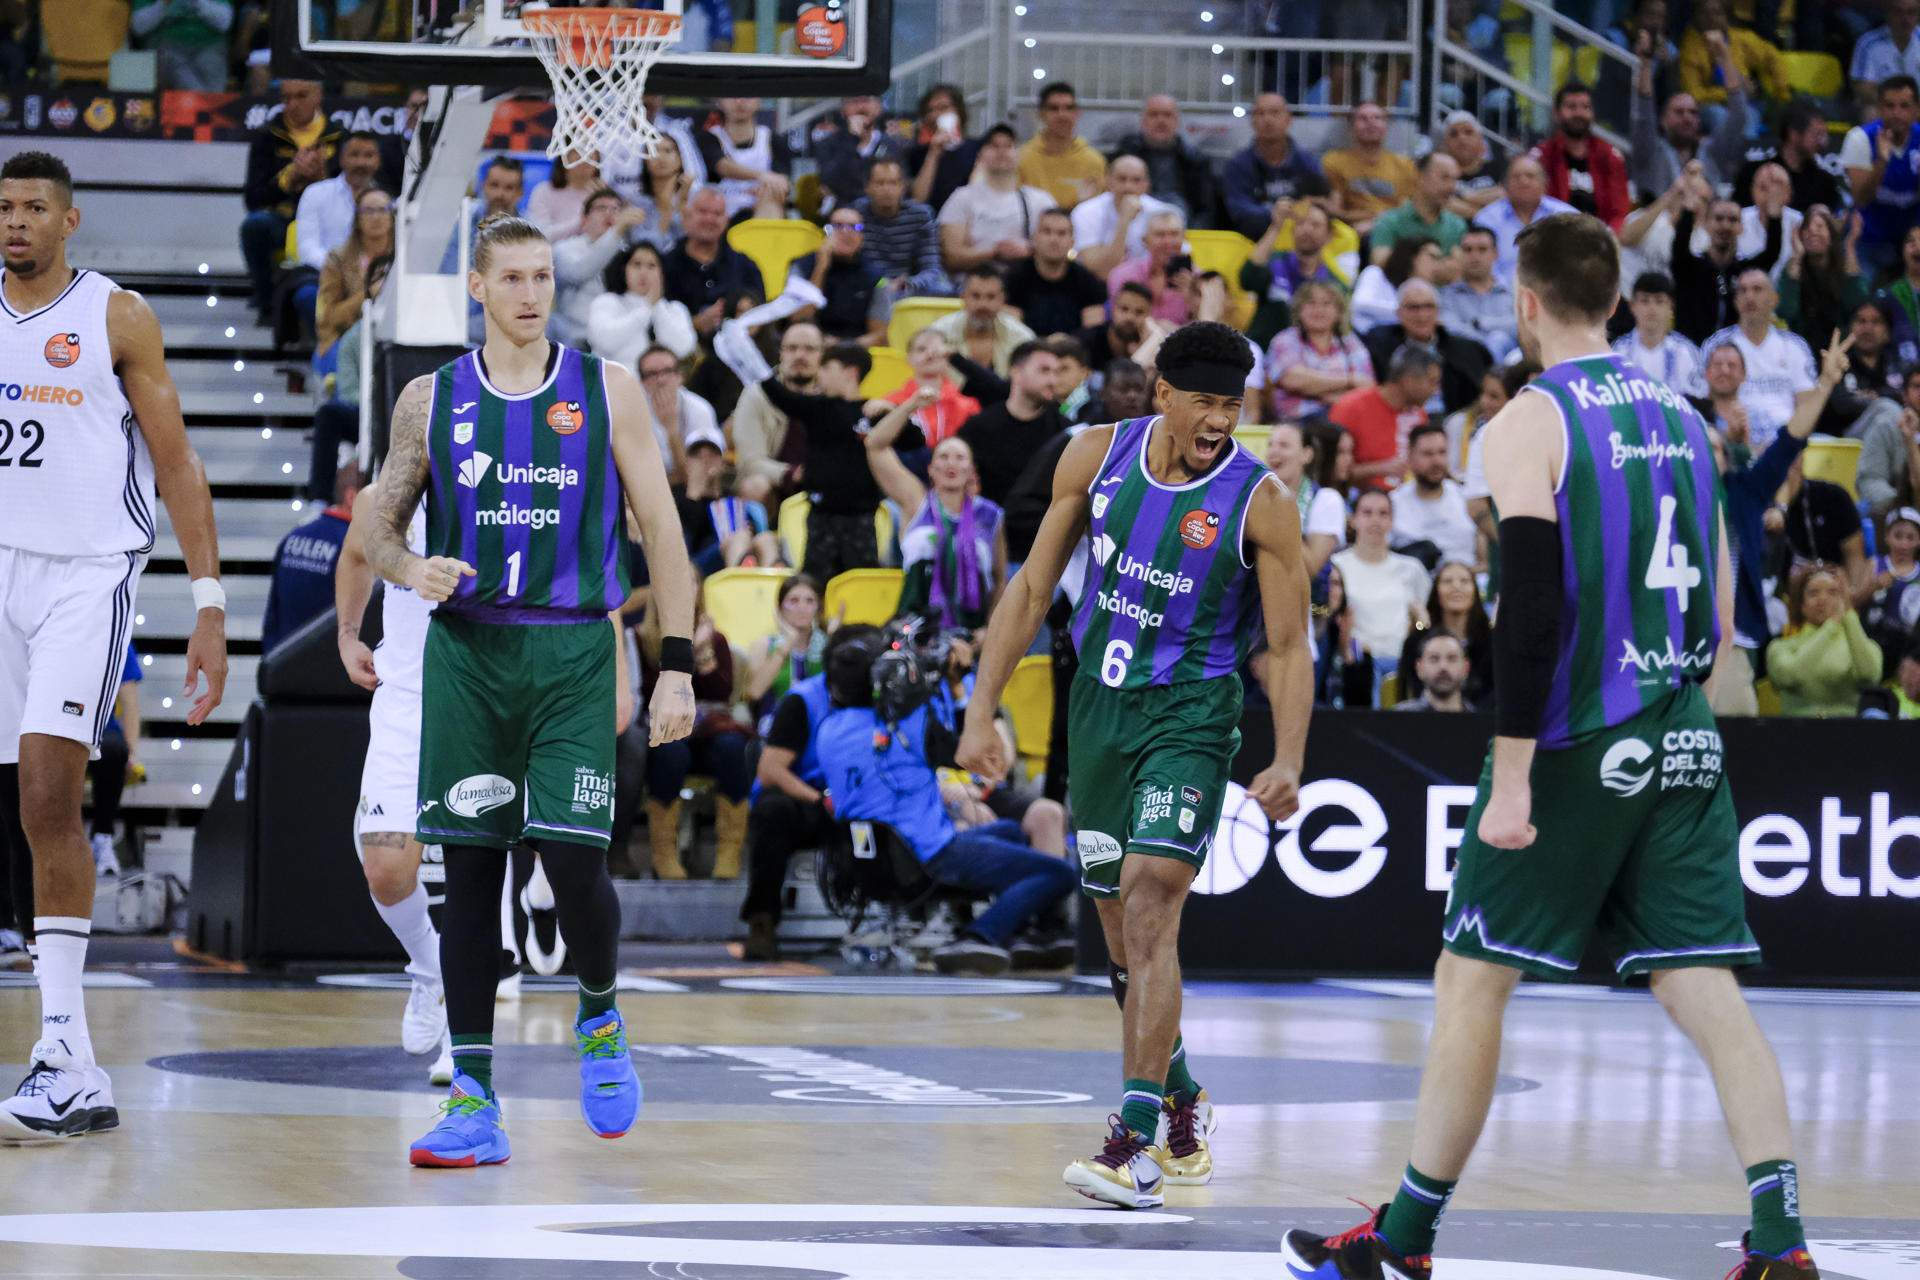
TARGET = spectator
x,y
1768,199
847,144
1463,426
751,162
1342,669
1705,284
1073,384
901,240
1004,436
1822,526
1270,169
1273,278
1889,451
678,414
117,765
1317,360
1479,305
1057,159
661,195
1386,590
703,271
1873,375
1178,173
343,277
189,39
953,545
1659,151
983,330
581,263
628,173
1726,368
1131,327
843,495
1366,178
880,775
328,209
302,586
721,530
500,190
1710,47
1163,269
795,651
717,748
1111,227
1376,294
1653,346
1803,137
1463,361
949,408
1882,160
1906,690
1432,509
1323,512
857,306
633,312
1524,203
1424,214
991,219
1823,285
1482,164
1125,391
1050,292
1440,666
767,451
336,423
1581,169
558,205
1456,610
1379,417
1885,52
1780,365
1642,33
1825,659
942,159
1894,610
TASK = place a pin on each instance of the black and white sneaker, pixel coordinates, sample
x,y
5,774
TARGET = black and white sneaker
x,y
1039,951
973,956
61,1097
546,949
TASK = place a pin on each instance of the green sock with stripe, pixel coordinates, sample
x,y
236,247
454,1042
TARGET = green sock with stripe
x,y
1414,1216
473,1056
1774,1186
594,1003
1181,1086
1140,1108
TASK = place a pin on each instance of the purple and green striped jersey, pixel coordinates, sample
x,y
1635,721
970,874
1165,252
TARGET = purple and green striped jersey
x,y
1639,511
524,489
1169,595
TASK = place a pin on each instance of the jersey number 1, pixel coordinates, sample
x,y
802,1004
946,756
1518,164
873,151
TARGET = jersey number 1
x,y
513,574
1670,568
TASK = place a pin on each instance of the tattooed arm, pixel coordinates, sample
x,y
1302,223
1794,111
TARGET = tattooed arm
x,y
403,479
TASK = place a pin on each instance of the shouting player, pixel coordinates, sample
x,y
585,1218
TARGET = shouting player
x,y
1604,805
94,431
1193,546
524,450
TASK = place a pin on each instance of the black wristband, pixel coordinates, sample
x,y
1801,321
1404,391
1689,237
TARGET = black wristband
x,y
1526,640
676,654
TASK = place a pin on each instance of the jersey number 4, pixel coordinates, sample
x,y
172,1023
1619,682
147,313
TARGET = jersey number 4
x,y
1671,568
30,434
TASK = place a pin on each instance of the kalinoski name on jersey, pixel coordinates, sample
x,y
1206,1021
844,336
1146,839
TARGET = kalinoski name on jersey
x,y
1614,391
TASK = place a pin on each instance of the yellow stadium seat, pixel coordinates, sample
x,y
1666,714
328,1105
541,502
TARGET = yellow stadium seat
x,y
290,251
1586,64
1343,241
1818,75
1222,251
1836,461
745,605
911,315
773,244
1389,691
1766,696
1028,699
862,595
1254,437
791,525
883,531
1519,50
890,371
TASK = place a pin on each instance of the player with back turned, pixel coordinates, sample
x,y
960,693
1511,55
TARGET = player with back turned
x,y
527,453
1193,549
1604,806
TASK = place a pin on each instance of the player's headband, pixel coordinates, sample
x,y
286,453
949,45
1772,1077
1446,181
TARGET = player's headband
x,y
1207,378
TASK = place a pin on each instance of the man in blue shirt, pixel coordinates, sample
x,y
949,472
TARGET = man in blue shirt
x,y
1272,168
303,566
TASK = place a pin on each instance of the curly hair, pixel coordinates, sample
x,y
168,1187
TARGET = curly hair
x,y
1205,342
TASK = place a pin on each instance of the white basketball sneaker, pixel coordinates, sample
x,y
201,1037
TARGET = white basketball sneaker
x,y
424,1025
543,923
441,1072
106,863
61,1097
1123,1174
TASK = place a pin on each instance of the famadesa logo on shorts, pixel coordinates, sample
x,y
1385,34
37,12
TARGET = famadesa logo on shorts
x,y
482,793
1097,848
1615,773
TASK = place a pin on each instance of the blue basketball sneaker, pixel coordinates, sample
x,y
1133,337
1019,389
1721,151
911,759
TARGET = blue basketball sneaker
x,y
470,1131
609,1087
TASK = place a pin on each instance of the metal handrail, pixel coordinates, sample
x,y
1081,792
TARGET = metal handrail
x,y
1526,90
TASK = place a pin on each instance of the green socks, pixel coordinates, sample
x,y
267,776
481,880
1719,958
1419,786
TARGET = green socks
x,y
1774,1186
1140,1109
473,1056
594,1003
1414,1216
1181,1086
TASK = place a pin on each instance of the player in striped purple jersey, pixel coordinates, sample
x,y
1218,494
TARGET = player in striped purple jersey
x,y
1194,551
1603,809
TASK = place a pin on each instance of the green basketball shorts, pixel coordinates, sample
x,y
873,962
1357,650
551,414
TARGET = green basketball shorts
x,y
1148,769
1638,843
516,733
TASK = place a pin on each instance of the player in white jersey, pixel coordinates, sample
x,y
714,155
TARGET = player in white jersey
x,y
90,428
397,878
1780,365
1654,346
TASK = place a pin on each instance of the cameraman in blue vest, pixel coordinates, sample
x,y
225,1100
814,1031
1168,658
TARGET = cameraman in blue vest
x,y
879,748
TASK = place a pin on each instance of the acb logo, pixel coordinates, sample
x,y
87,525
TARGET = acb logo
x,y
63,350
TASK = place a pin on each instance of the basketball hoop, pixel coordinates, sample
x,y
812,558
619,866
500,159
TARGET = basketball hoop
x,y
598,60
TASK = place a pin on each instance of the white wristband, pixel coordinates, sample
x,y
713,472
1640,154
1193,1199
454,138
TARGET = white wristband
x,y
209,594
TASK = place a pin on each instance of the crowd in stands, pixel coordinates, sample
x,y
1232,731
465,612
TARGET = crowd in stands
x,y
1768,274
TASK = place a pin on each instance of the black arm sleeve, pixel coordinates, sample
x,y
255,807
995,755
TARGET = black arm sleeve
x,y
942,742
980,382
1526,641
792,727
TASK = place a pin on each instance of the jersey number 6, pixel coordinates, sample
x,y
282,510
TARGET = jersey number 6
x,y
1113,663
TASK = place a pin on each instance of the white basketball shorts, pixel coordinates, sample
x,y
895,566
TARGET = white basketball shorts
x,y
64,626
390,779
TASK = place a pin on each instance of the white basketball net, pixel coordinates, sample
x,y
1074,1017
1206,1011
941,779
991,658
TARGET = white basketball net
x,y
598,60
